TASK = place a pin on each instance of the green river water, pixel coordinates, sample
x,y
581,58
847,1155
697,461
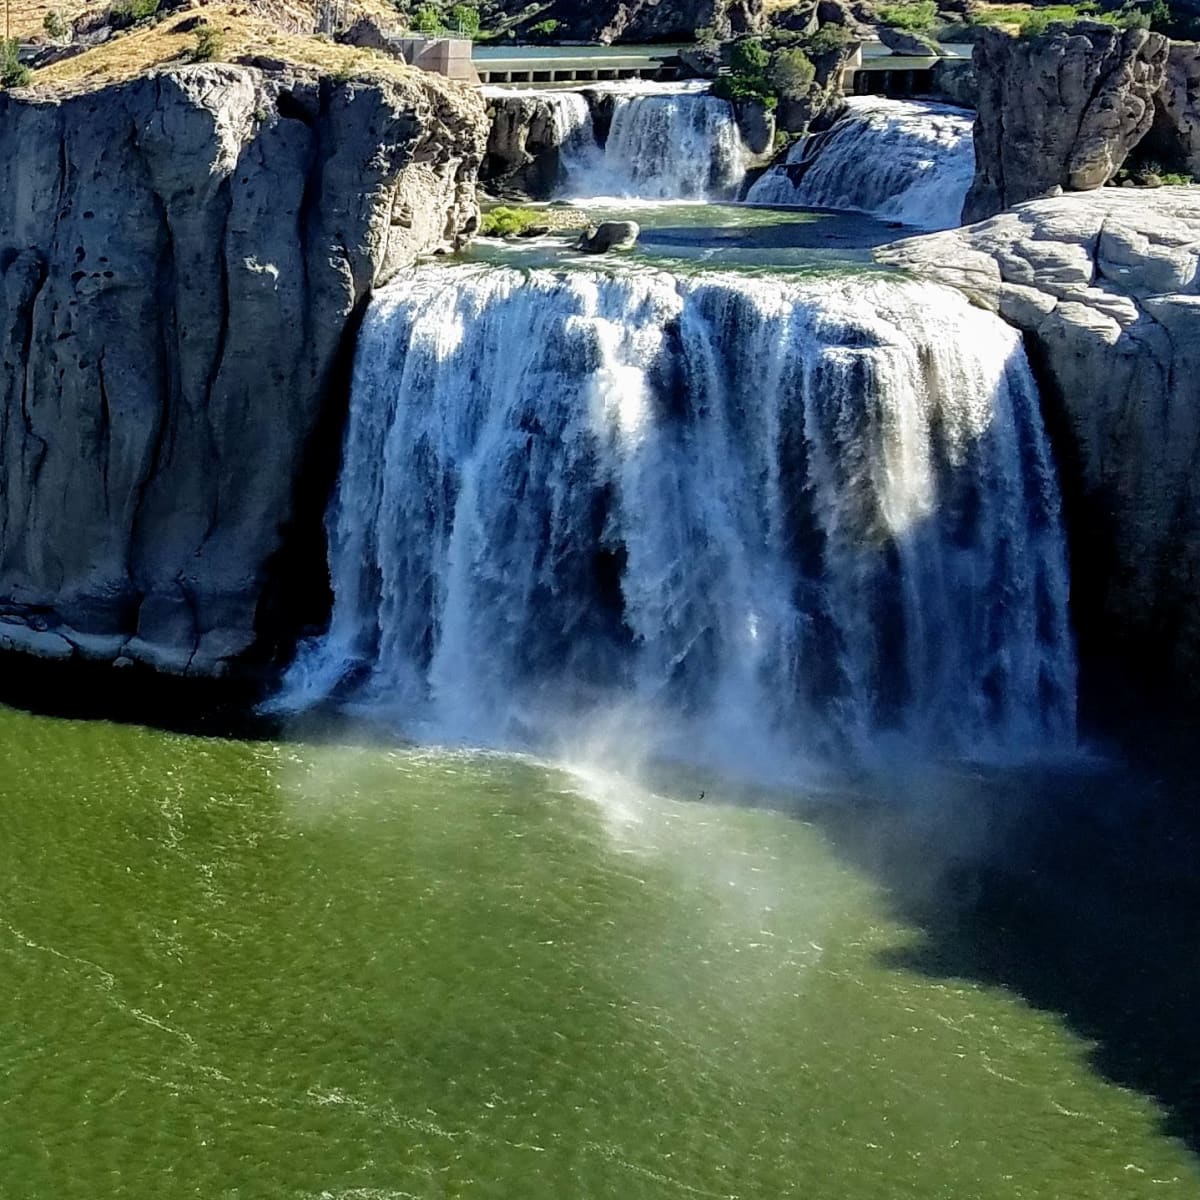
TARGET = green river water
x,y
255,969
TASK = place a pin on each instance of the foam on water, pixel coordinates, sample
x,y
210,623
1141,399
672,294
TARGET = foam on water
x,y
900,160
774,518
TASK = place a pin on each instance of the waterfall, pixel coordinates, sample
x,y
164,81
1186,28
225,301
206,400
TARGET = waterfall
x,y
901,160
574,133
665,145
665,142
775,516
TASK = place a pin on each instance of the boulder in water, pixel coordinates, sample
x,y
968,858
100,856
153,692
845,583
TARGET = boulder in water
x,y
610,235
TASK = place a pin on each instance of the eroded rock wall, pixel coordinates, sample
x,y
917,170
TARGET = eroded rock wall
x,y
523,146
1106,288
1175,136
641,20
181,258
1061,110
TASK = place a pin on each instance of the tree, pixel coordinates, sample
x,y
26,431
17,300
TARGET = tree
x,y
56,28
210,43
13,72
749,57
792,74
464,20
428,19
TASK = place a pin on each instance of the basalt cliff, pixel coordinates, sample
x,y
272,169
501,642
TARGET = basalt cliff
x,y
183,259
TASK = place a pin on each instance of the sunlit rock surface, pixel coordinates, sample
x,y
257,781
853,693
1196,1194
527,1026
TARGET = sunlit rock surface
x,y
1063,109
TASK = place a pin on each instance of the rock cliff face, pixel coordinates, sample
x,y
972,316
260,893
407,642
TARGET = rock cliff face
x,y
523,146
1106,289
643,20
1060,110
1175,136
181,260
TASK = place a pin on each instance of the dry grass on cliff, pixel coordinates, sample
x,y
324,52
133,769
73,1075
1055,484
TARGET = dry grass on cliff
x,y
27,17
163,43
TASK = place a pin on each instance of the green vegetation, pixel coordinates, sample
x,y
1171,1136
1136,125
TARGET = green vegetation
x,y
1150,173
132,12
13,73
463,19
545,29
1032,21
758,74
210,42
827,39
56,27
508,222
791,73
749,57
915,17
748,79
428,20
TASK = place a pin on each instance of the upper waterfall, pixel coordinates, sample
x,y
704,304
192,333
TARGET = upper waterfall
x,y
664,142
774,516
665,145
901,160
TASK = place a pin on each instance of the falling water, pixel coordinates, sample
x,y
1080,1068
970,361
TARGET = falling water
x,y
901,160
574,133
773,516
665,145
665,142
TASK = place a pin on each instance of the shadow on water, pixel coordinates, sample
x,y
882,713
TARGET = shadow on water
x,y
1077,891
806,229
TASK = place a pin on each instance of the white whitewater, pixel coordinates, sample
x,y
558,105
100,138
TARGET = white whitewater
x,y
666,142
900,160
772,518
665,145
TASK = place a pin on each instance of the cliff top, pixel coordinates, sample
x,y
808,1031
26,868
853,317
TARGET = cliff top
x,y
245,34
27,17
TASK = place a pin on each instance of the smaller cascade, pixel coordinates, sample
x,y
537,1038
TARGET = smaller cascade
x,y
664,141
574,133
899,160
677,144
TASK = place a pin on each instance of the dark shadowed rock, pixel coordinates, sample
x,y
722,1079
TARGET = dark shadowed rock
x,y
955,82
824,101
1176,131
756,125
798,18
523,146
181,259
638,20
1062,109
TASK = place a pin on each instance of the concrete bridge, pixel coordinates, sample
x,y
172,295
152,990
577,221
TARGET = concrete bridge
x,y
574,64
550,65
